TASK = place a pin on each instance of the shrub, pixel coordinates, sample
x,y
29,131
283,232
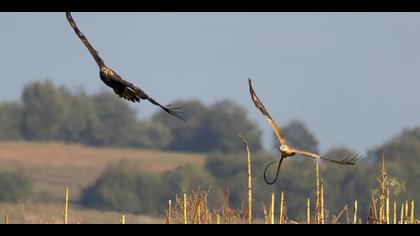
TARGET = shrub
x,y
14,186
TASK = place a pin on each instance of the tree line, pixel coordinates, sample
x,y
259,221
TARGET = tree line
x,y
47,112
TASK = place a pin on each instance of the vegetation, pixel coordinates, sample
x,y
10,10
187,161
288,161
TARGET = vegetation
x,y
14,186
215,181
104,120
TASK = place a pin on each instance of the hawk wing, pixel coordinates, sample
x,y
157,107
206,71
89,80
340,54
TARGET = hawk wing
x,y
261,107
350,160
85,41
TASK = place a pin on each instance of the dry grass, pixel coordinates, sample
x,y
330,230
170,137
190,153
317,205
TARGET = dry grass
x,y
42,160
54,166
41,213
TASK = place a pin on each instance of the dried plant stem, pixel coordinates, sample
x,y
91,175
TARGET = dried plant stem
x,y
308,211
317,203
412,212
281,220
395,212
402,214
339,215
388,221
66,207
406,212
272,209
185,208
6,217
355,213
265,213
322,202
122,220
168,217
249,183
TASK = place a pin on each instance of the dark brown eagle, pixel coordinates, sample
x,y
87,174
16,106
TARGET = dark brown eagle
x,y
285,149
121,87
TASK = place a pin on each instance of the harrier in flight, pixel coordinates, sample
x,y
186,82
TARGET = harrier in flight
x,y
285,149
122,88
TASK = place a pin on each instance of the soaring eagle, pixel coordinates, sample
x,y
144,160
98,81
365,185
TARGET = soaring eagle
x,y
285,149
121,87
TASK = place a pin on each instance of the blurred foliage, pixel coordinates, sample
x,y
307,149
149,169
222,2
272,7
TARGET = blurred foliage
x,y
213,128
10,121
121,187
14,186
51,113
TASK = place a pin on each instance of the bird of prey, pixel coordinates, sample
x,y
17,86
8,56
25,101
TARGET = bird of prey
x,y
121,87
285,149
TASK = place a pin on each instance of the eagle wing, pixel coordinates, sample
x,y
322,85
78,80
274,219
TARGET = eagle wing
x,y
84,40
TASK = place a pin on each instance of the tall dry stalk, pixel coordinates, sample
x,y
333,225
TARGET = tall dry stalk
x,y
382,213
184,210
249,183
265,213
317,203
355,213
322,202
281,220
406,212
388,221
122,220
272,209
395,212
66,207
402,214
308,211
341,213
6,217
412,212
169,212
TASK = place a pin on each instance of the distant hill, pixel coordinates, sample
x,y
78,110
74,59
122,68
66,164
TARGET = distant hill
x,y
53,166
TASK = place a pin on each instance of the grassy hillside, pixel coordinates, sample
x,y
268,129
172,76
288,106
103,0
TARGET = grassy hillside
x,y
53,166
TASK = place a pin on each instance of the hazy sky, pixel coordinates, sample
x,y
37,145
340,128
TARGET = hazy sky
x,y
353,78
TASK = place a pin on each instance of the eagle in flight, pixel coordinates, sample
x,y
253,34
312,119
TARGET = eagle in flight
x,y
285,149
121,87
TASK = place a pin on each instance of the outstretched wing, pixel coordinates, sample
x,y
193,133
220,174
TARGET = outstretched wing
x,y
82,37
261,107
350,160
133,93
175,111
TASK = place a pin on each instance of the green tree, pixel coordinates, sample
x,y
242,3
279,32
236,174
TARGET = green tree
x,y
187,136
121,187
14,186
150,135
80,121
225,121
116,121
10,121
44,110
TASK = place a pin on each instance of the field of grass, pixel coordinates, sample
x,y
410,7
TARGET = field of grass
x,y
52,213
54,166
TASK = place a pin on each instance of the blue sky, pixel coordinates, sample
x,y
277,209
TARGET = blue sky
x,y
353,78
